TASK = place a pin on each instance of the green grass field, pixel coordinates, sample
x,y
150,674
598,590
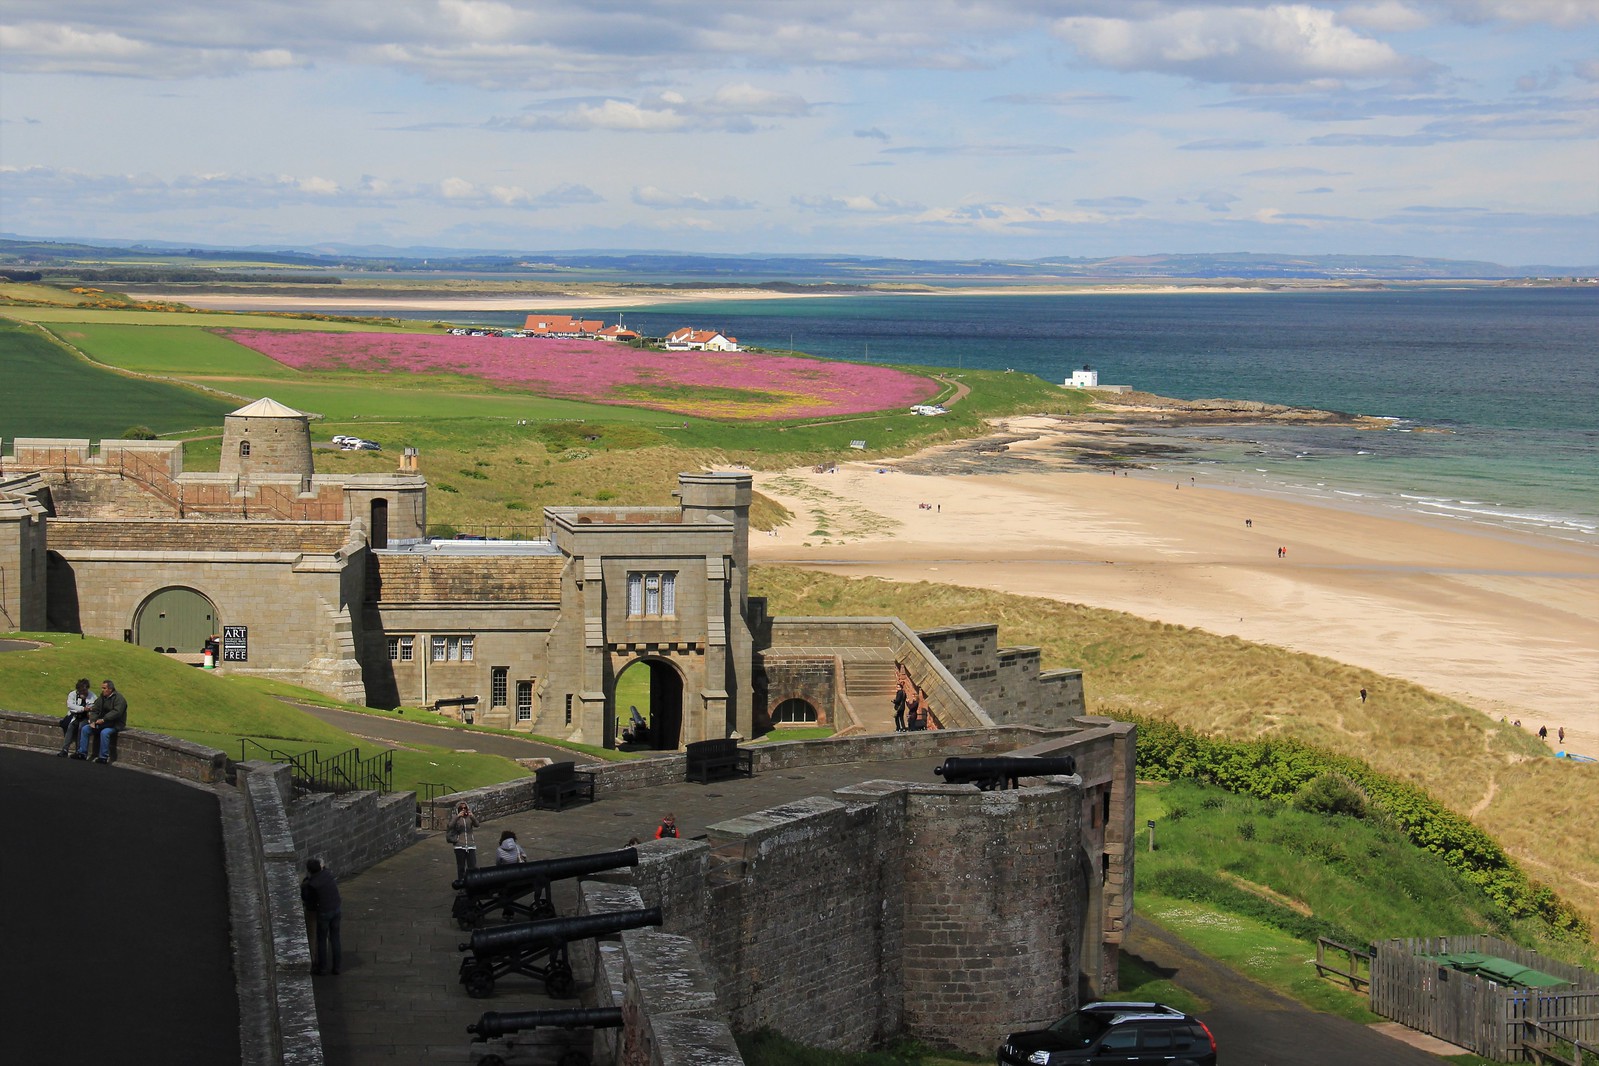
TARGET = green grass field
x,y
52,393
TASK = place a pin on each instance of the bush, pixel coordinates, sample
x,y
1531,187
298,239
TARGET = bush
x,y
1246,830
138,433
1331,794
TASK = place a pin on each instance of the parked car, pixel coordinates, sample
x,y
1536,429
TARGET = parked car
x,y
1120,1033
340,439
369,446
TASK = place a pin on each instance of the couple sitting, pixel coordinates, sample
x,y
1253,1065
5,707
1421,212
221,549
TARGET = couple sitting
x,y
91,723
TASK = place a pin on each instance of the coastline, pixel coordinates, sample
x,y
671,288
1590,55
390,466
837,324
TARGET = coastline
x,y
1503,620
443,300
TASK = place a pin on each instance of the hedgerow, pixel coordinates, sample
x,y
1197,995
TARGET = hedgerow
x,y
1279,769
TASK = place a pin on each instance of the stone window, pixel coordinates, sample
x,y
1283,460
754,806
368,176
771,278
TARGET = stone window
x,y
498,677
394,649
407,649
451,649
651,595
524,701
244,449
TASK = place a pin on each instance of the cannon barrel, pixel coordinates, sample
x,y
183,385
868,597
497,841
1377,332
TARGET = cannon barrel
x,y
503,1023
994,771
542,871
552,932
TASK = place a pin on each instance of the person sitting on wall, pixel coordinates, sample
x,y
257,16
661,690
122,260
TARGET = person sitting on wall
x,y
80,701
107,718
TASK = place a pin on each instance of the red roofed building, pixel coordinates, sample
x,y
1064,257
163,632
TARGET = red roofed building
x,y
562,326
616,333
700,340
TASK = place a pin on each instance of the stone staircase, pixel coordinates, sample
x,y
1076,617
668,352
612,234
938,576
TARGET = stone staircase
x,y
869,684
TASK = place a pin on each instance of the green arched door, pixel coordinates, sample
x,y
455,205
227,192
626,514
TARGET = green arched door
x,y
175,619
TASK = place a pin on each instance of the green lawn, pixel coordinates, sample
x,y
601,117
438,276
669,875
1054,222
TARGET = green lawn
x,y
165,696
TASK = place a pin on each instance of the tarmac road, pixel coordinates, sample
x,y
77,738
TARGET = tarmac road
x,y
1255,1026
397,731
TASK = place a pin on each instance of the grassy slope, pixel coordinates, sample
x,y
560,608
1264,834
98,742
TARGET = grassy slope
x,y
1541,809
168,697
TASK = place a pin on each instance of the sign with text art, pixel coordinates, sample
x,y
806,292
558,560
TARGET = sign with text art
x,y
235,644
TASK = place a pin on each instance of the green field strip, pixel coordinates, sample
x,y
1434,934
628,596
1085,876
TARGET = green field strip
x,y
204,320
177,351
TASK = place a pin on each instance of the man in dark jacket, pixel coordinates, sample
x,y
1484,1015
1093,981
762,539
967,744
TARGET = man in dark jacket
x,y
108,717
320,894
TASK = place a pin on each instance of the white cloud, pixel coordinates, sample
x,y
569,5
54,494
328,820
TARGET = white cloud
x,y
1282,43
876,204
1389,16
650,196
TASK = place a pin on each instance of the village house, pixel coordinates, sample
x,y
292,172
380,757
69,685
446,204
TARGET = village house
x,y
616,333
562,326
688,339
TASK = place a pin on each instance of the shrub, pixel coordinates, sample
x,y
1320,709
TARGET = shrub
x,y
1331,794
138,433
1246,830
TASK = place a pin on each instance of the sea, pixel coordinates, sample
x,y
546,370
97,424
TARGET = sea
x,y
1490,396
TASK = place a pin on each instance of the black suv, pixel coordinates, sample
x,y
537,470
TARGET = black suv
x,y
1121,1033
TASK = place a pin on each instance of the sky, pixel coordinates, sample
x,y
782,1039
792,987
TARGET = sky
x,y
1002,129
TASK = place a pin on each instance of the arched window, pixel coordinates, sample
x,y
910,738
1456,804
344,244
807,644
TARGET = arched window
x,y
794,712
244,449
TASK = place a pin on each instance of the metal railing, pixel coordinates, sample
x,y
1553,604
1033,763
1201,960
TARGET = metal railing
x,y
344,772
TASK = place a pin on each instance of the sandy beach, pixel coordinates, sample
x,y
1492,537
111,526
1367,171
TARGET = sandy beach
x,y
1505,622
446,303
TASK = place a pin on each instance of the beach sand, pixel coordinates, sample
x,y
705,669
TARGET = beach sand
x,y
1504,622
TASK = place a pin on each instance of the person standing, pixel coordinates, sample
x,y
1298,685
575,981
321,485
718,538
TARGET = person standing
x,y
460,837
320,894
1562,735
899,708
1543,733
667,828
80,701
107,718
1362,695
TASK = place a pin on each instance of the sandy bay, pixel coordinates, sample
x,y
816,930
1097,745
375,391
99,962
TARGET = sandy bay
x,y
1505,622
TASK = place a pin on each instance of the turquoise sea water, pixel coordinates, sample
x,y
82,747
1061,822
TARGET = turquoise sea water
x,y
1493,393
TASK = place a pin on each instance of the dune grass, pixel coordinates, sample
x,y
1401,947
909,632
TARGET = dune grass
x,y
1540,809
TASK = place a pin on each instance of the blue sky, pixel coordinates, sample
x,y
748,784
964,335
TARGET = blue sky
x,y
934,129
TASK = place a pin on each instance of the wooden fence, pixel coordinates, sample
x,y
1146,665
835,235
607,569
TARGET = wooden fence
x,y
1478,1014
1358,971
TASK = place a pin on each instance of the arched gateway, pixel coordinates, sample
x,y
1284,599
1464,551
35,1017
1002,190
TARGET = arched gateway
x,y
175,619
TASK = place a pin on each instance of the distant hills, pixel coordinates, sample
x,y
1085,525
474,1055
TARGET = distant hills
x,y
165,261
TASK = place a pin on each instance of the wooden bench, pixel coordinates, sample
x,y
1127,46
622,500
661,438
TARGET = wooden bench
x,y
711,760
555,784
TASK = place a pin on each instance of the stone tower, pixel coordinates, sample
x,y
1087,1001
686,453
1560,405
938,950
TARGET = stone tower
x,y
726,495
266,438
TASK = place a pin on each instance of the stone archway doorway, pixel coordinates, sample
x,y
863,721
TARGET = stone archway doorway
x,y
655,688
175,620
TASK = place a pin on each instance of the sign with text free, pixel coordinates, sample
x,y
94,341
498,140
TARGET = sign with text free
x,y
235,644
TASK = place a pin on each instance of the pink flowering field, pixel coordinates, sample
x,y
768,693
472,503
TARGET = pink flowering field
x,y
730,385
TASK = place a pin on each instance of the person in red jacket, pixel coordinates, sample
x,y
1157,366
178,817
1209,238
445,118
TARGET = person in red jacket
x,y
667,828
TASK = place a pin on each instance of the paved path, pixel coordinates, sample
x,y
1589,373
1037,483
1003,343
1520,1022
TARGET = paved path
x,y
394,731
1256,1026
113,917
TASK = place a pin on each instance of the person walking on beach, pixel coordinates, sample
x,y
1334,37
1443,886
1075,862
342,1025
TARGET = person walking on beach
x,y
1543,733
459,837
1562,735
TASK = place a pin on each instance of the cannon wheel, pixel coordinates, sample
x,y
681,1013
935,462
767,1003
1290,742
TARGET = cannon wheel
x,y
541,910
479,982
559,983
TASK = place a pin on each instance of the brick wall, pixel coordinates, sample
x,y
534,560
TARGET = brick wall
x,y
814,679
135,747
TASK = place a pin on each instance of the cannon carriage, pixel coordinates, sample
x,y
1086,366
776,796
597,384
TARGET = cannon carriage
x,y
502,888
994,772
539,949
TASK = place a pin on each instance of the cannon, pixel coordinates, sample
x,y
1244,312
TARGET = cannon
x,y
538,949
495,1024
498,888
999,771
